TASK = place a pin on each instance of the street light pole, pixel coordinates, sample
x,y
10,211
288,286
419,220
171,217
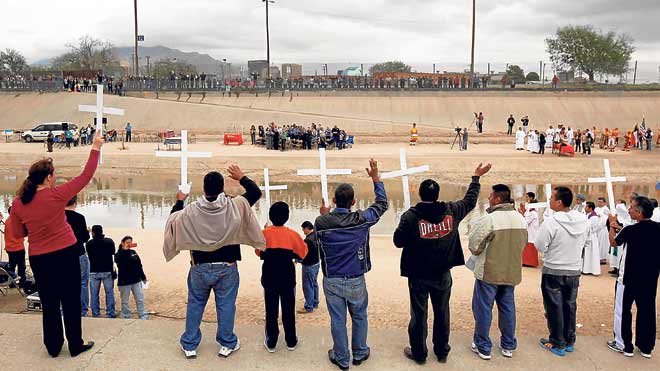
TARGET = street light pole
x,y
267,37
474,19
137,63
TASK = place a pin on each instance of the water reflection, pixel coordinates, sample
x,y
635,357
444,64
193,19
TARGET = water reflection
x,y
145,202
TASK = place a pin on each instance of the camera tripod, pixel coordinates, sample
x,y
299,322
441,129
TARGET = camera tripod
x,y
457,137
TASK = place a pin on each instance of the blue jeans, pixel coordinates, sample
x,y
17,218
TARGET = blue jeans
x,y
95,280
351,294
124,293
84,284
310,286
485,294
224,281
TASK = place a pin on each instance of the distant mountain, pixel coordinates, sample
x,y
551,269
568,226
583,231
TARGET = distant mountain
x,y
204,62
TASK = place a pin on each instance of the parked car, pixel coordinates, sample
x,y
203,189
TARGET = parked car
x,y
40,132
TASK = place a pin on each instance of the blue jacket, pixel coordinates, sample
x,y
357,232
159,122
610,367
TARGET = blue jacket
x,y
343,237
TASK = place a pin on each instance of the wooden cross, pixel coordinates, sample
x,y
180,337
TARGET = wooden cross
x,y
404,172
546,204
608,180
323,171
184,155
267,187
100,111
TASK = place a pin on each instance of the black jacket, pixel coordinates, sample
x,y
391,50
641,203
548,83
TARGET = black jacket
x,y
428,234
79,227
312,257
101,251
130,267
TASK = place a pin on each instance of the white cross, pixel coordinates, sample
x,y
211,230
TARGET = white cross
x,y
265,205
546,204
608,180
100,111
323,171
403,173
184,155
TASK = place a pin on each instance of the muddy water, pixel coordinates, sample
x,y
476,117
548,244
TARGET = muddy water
x,y
145,202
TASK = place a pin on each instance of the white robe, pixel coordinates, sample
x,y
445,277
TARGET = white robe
x,y
603,234
520,139
530,140
591,259
535,144
532,218
656,215
624,218
549,134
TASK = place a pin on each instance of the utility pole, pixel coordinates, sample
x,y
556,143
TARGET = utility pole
x,y
267,36
635,75
148,66
474,19
137,63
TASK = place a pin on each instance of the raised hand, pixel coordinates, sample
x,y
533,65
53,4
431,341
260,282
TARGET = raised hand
x,y
482,170
98,141
180,196
372,170
235,172
323,210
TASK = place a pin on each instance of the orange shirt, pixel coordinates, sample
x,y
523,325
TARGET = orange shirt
x,y
284,238
12,244
615,132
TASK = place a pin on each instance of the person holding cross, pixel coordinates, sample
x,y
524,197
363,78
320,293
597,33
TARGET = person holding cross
x,y
343,240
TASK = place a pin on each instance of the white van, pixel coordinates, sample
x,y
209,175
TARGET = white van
x,y
40,132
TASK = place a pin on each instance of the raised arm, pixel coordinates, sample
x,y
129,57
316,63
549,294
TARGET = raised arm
x,y
252,192
75,185
379,207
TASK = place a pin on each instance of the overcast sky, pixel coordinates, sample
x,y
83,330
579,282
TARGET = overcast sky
x,y
328,31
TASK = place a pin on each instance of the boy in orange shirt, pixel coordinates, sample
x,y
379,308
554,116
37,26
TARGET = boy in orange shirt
x,y
15,248
278,276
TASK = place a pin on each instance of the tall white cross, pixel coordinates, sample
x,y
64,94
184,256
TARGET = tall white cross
x,y
608,180
403,173
184,155
323,171
100,111
546,204
267,188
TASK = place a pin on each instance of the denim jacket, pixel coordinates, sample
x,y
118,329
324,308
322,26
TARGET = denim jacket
x,y
343,237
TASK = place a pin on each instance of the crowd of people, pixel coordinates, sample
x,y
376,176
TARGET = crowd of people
x,y
83,136
337,242
281,137
82,84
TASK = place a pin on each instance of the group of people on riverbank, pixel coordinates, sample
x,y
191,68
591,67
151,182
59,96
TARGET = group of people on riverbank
x,y
281,137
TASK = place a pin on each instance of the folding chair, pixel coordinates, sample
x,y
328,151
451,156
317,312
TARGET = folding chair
x,y
7,281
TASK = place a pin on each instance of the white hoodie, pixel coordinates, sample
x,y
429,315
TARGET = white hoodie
x,y
561,239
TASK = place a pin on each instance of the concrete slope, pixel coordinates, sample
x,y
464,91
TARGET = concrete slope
x,y
359,113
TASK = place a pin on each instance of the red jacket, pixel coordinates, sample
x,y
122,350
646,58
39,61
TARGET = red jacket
x,y
12,244
43,220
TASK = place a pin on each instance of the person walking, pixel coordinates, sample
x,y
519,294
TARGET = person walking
x,y
131,278
562,238
212,229
343,238
39,212
310,269
510,121
101,252
431,246
129,131
496,240
79,226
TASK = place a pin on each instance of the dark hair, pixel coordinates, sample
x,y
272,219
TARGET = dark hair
x,y
603,199
653,201
214,184
503,192
429,190
9,210
531,195
97,231
37,174
565,195
121,244
644,206
72,201
591,205
307,225
344,195
279,213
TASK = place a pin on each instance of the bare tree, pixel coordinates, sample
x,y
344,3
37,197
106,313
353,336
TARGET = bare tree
x,y
12,62
87,53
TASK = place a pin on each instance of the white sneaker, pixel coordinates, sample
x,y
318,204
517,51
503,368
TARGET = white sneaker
x,y
482,356
270,350
226,352
628,354
645,355
190,354
507,353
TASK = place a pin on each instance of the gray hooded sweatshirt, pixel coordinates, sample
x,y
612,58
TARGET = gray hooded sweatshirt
x,y
561,239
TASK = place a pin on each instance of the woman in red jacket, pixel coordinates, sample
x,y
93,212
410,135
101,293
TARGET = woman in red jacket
x,y
38,213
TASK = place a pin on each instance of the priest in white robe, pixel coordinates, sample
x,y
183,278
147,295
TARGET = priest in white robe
x,y
603,235
549,134
591,259
520,139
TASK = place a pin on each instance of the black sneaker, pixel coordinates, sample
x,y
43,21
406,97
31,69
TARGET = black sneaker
x,y
357,362
332,359
83,349
407,351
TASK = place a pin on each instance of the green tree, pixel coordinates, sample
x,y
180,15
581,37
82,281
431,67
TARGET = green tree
x,y
516,74
391,66
87,53
532,76
164,68
584,49
12,62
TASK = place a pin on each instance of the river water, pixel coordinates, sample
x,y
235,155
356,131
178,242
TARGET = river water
x,y
142,202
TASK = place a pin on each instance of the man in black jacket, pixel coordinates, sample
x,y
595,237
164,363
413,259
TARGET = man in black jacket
x,y
79,226
428,234
101,251
310,269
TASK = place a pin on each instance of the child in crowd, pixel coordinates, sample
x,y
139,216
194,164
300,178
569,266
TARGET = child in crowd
x,y
278,276
131,277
